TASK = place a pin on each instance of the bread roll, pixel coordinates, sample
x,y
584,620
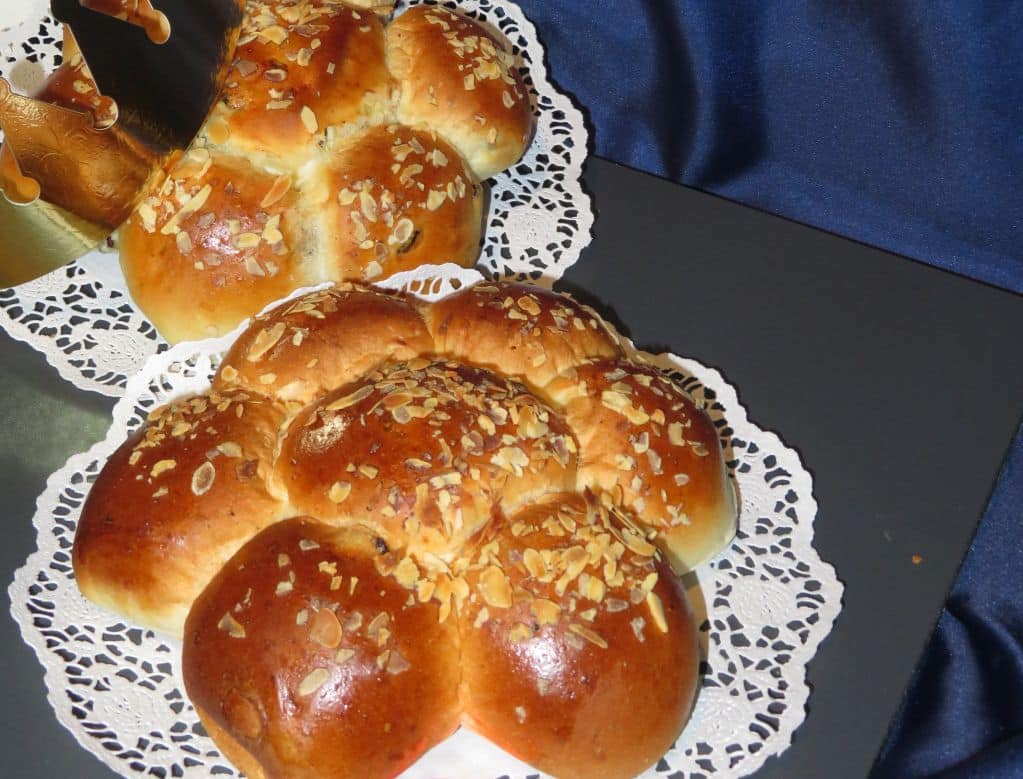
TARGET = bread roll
x,y
303,349
643,441
498,543
390,199
209,248
424,452
308,169
456,77
525,332
298,70
316,664
579,654
174,502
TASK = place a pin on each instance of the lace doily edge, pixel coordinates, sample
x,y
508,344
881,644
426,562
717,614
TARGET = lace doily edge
x,y
738,420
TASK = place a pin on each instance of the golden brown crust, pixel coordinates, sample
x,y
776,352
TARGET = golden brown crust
x,y
455,77
579,650
211,240
299,69
522,331
391,199
424,451
317,664
515,538
174,502
644,441
305,348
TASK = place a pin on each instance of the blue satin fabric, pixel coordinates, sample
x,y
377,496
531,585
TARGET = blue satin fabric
x,y
964,715
894,122
898,123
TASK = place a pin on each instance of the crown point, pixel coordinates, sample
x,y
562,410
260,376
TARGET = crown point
x,y
138,12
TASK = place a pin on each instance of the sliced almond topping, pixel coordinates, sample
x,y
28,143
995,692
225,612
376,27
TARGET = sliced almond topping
x,y
675,434
529,305
184,242
649,582
589,635
534,563
162,466
435,199
231,626
326,629
309,119
229,449
653,603
264,341
202,478
397,663
277,190
403,230
520,632
494,588
351,399
545,611
637,625
368,205
217,131
344,655
637,543
192,205
406,573
339,491
313,681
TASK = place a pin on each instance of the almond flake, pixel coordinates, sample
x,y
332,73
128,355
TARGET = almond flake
x,y
313,681
231,626
653,603
344,655
339,491
309,119
326,629
435,199
264,341
202,478
589,635
162,466
494,587
229,449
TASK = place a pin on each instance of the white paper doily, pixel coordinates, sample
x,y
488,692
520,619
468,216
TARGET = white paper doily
x,y
769,601
84,322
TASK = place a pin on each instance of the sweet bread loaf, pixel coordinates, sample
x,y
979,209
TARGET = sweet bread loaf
x,y
344,147
432,531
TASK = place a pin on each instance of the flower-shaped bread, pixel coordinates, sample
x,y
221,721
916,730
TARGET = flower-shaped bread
x,y
344,147
388,518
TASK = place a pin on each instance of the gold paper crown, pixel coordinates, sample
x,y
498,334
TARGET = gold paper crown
x,y
71,170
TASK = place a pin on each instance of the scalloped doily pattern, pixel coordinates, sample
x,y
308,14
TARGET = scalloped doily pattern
x,y
766,604
83,320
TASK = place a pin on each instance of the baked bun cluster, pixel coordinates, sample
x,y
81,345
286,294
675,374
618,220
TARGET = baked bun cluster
x,y
389,518
344,146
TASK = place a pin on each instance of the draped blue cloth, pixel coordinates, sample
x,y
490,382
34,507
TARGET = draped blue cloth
x,y
898,123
